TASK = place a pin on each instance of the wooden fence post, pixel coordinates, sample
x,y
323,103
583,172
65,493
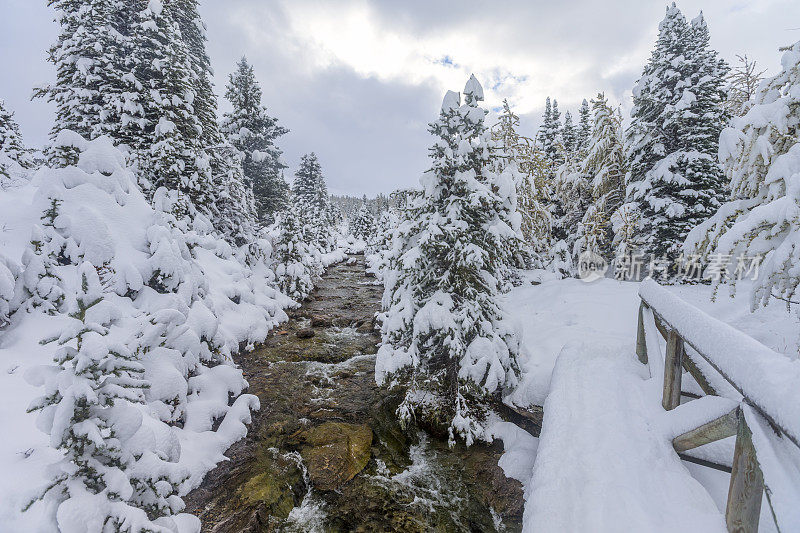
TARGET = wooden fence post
x,y
673,368
747,484
641,340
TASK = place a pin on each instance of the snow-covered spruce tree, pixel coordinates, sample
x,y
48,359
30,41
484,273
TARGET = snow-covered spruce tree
x,y
584,126
170,151
363,225
677,117
193,33
14,157
569,135
253,132
761,155
87,411
235,208
293,261
309,189
40,285
443,330
94,92
605,166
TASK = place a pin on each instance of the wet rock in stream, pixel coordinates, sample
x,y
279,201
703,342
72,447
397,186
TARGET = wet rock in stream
x,y
325,452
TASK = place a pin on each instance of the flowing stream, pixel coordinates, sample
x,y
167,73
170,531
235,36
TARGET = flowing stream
x,y
325,452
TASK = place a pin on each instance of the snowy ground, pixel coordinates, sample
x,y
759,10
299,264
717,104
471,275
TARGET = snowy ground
x,y
594,320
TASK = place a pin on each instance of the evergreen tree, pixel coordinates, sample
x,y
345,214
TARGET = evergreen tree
x,y
235,207
363,224
443,328
677,117
84,412
95,93
307,179
253,132
762,161
584,125
171,153
193,33
293,261
531,169
605,167
13,154
569,135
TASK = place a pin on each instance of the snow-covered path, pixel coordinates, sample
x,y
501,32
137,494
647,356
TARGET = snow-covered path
x,y
603,462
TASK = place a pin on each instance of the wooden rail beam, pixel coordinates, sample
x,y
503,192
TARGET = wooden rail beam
x,y
720,428
641,339
673,368
747,484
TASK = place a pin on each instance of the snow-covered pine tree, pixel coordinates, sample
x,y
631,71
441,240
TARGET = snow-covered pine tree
x,y
235,207
87,412
546,126
293,262
761,155
677,116
14,157
170,150
444,329
605,166
310,190
94,93
193,33
569,135
253,132
584,125
363,225
40,285
306,179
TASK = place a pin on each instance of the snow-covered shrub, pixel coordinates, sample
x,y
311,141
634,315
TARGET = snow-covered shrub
x,y
177,303
761,155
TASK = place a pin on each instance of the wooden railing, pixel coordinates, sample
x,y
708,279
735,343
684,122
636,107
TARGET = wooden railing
x,y
716,350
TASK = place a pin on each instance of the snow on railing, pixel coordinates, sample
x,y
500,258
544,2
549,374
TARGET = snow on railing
x,y
765,382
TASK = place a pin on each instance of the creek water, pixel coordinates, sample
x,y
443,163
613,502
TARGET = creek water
x,y
325,452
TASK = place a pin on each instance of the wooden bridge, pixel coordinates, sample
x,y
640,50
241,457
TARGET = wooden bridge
x,y
631,475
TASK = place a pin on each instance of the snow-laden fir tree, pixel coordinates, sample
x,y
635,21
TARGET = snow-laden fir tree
x,y
443,328
87,411
235,207
253,132
293,259
170,151
95,92
678,114
310,190
569,135
193,33
584,125
605,166
14,157
363,224
761,223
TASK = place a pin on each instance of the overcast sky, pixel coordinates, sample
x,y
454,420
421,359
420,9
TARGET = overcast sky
x,y
358,81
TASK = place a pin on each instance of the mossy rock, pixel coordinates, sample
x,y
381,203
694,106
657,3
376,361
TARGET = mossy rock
x,y
334,452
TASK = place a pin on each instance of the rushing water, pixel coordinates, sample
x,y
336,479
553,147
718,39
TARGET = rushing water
x,y
410,482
